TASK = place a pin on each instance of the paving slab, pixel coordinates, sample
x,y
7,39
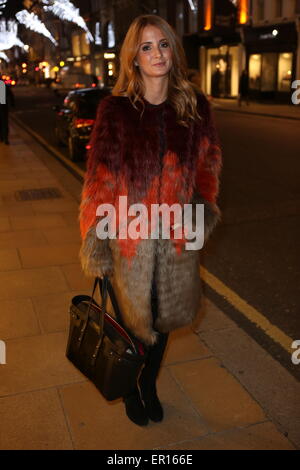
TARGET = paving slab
x,y
55,206
4,224
9,259
184,345
91,418
18,319
77,281
22,238
53,310
210,388
62,235
211,318
26,283
35,363
33,421
50,255
274,388
262,436
71,218
37,221
8,209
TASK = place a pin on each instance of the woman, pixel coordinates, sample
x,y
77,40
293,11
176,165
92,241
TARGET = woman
x,y
153,142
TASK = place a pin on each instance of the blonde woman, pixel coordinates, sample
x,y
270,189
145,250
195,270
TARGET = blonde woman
x,y
155,143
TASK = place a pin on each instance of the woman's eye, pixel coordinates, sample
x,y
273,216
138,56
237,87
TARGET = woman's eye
x,y
147,47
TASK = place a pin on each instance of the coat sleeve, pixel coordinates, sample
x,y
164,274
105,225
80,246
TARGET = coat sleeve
x,y
99,188
209,166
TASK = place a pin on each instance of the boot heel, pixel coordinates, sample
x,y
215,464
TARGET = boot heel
x,y
135,409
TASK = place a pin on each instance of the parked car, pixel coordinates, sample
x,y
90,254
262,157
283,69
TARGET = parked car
x,y
75,119
71,80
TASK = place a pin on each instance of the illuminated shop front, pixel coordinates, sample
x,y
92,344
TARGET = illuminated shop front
x,y
221,48
222,71
271,57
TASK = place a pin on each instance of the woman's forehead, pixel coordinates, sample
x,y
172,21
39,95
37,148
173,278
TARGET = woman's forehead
x,y
150,33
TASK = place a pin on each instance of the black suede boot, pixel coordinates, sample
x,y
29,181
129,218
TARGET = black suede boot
x,y
147,380
135,409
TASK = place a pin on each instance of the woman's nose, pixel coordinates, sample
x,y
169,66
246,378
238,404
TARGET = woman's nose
x,y
157,52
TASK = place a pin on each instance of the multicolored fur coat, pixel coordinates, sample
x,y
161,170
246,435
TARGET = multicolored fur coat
x,y
124,160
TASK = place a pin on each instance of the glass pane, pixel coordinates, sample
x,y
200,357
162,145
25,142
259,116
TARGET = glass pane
x,y
285,71
254,71
269,72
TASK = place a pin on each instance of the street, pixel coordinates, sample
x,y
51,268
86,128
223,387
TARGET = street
x,y
254,251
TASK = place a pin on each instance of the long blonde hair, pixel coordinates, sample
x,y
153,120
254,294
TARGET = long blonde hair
x,y
181,94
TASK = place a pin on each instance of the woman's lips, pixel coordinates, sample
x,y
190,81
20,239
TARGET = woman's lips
x,y
159,65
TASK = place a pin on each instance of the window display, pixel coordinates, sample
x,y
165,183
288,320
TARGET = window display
x,y
285,63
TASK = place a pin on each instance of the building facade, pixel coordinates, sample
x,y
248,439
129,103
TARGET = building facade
x,y
261,36
272,47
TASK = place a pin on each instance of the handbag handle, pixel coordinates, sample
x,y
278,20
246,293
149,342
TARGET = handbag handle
x,y
103,287
106,284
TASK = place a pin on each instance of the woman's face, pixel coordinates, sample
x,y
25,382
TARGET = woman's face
x,y
154,55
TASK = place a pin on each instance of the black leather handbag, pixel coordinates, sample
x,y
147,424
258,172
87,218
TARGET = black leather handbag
x,y
99,345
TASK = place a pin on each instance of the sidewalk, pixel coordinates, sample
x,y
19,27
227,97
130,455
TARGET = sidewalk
x,y
272,110
219,389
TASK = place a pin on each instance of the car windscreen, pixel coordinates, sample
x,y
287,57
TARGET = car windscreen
x,y
87,104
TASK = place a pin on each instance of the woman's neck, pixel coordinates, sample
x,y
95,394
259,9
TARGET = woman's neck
x,y
156,90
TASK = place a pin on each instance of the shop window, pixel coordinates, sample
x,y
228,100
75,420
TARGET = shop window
x,y
222,72
285,64
221,75
84,45
76,45
269,72
254,71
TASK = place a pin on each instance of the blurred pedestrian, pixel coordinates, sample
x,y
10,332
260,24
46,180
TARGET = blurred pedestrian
x,y
216,83
154,141
4,114
244,88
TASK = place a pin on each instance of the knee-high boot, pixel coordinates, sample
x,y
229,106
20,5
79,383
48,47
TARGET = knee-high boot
x,y
135,409
147,380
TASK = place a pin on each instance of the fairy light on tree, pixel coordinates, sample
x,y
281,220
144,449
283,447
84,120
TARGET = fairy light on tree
x,y
3,56
66,11
22,10
31,21
9,35
2,6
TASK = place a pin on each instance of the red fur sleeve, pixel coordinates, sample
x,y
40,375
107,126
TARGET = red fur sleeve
x,y
100,178
210,158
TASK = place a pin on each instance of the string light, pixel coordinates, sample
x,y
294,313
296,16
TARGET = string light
x,y
31,21
4,56
66,11
9,35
